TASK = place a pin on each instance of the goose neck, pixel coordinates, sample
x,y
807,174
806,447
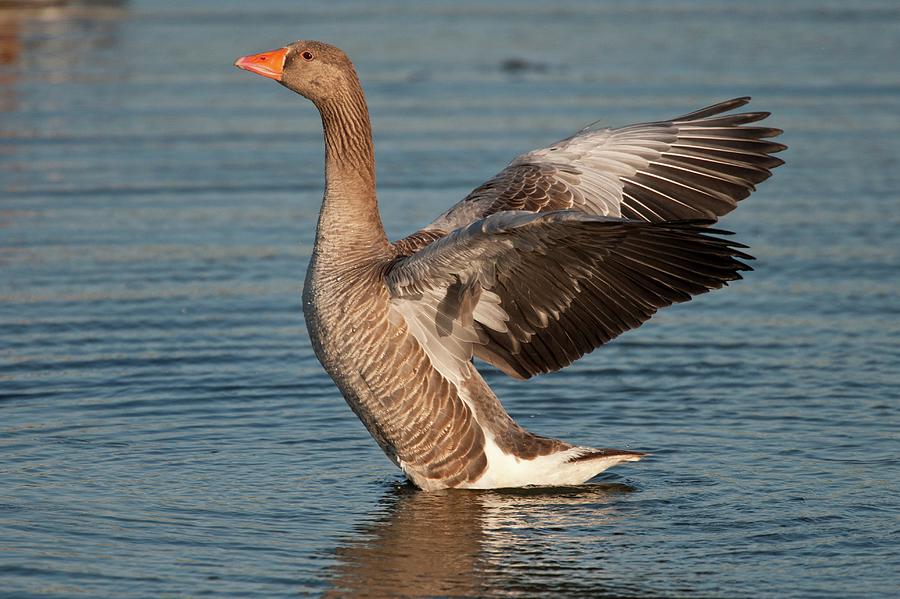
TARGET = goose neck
x,y
349,219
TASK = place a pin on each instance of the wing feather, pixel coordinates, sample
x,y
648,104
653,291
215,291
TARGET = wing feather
x,y
698,165
531,292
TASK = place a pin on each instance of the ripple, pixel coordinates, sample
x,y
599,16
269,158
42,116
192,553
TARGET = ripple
x,y
165,428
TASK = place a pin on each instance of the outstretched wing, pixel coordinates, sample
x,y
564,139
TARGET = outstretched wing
x,y
532,292
696,166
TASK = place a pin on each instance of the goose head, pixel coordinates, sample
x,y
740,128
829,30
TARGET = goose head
x,y
315,70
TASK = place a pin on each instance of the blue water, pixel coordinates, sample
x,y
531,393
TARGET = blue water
x,y
165,430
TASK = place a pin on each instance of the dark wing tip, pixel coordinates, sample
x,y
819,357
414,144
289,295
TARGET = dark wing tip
x,y
714,109
608,453
714,236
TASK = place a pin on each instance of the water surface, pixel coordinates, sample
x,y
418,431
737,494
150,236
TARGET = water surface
x,y
165,429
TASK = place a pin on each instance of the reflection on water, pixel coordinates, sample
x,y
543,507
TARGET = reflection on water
x,y
480,543
10,37
49,40
427,544
40,29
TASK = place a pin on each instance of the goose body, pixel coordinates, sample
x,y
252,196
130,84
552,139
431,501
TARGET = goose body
x,y
563,250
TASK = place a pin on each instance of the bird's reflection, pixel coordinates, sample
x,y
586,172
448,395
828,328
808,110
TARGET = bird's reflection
x,y
475,544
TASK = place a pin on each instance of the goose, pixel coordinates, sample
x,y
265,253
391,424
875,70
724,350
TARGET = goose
x,y
564,249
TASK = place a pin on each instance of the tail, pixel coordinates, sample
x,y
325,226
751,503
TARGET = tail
x,y
590,461
620,455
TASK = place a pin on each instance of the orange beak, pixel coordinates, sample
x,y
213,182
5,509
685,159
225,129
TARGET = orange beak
x,y
267,64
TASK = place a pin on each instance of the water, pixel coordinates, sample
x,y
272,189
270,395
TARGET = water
x,y
165,430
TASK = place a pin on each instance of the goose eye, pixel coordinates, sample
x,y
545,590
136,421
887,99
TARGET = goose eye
x,y
307,55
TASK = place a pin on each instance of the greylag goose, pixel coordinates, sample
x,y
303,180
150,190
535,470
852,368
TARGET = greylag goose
x,y
564,249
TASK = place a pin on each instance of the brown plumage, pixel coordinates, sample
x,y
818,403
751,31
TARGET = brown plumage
x,y
563,250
